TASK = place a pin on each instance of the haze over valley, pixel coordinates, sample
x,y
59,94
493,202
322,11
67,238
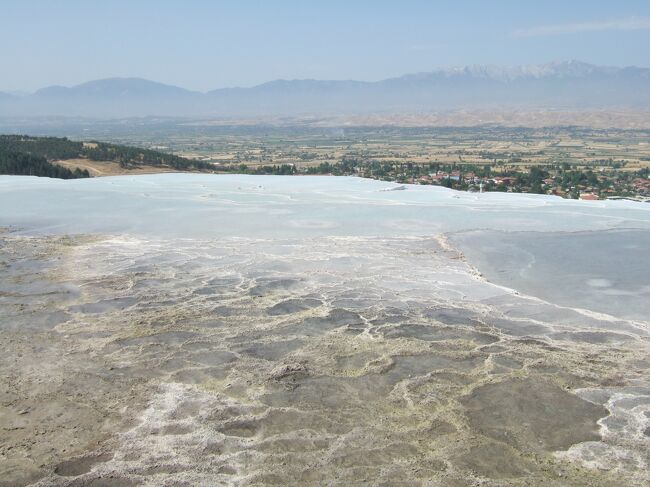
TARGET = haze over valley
x,y
559,85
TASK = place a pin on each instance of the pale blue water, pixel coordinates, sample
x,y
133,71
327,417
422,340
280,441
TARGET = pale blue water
x,y
606,271
209,206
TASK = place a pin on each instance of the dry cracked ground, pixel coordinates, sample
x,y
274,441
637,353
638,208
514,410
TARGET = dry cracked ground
x,y
330,361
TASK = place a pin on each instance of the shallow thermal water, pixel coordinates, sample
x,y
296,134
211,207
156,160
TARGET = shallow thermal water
x,y
234,330
607,272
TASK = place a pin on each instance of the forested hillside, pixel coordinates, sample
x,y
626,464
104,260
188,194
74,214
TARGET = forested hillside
x,y
21,154
24,164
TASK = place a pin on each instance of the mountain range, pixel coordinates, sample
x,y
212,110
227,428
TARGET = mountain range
x,y
570,84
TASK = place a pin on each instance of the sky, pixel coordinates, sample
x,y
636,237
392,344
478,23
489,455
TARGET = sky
x,y
204,45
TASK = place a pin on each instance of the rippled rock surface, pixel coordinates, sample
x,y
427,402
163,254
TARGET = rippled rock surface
x,y
316,331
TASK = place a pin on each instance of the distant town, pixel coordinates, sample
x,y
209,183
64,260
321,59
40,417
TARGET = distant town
x,y
562,180
569,163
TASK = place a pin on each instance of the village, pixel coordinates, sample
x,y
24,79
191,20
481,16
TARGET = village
x,y
576,183
570,162
566,181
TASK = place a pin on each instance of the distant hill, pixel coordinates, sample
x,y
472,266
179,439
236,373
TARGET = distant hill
x,y
115,88
571,84
37,156
113,97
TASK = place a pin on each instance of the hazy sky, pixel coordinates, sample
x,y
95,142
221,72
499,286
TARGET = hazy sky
x,y
211,44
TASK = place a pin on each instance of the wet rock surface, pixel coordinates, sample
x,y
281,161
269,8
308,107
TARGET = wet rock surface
x,y
286,362
532,414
